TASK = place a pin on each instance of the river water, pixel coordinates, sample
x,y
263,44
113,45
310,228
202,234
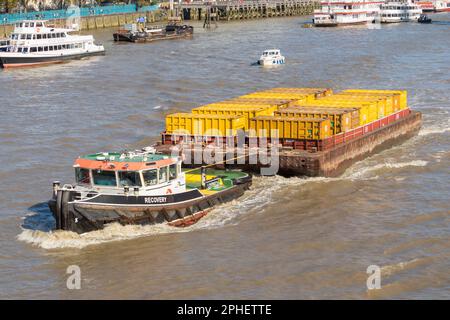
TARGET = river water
x,y
286,237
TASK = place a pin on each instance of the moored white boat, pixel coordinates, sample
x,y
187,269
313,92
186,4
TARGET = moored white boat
x,y
442,6
399,11
271,57
34,43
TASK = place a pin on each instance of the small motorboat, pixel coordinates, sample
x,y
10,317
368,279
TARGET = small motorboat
x,y
424,19
140,187
271,57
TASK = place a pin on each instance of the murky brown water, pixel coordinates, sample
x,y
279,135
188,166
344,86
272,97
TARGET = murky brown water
x,y
286,238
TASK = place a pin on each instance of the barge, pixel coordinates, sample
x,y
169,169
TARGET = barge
x,y
140,187
317,132
141,33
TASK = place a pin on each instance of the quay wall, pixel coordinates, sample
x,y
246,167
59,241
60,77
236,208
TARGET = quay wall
x,y
103,21
242,10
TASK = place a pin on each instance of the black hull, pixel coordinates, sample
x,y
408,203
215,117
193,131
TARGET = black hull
x,y
81,217
11,62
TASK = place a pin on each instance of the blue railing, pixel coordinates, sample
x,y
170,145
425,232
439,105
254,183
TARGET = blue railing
x,y
9,18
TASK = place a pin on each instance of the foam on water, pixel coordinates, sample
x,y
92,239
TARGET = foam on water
x,y
436,128
366,171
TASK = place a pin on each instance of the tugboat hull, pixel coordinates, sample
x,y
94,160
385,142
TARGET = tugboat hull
x,y
176,210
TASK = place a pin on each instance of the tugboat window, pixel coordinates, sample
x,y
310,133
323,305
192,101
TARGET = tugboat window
x,y
131,179
162,174
82,176
104,178
173,171
150,177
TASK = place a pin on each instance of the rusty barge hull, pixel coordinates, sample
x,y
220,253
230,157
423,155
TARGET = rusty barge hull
x,y
334,160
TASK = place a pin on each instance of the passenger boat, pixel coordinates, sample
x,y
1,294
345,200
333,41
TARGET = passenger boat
x,y
140,187
399,11
144,33
442,6
340,13
271,57
426,6
34,43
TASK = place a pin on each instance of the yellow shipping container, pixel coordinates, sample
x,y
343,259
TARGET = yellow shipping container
x,y
290,128
392,99
380,102
367,111
248,111
341,120
403,95
204,124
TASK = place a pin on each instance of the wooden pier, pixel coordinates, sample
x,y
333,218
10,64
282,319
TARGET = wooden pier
x,y
239,10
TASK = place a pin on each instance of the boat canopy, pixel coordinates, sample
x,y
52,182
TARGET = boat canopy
x,y
124,161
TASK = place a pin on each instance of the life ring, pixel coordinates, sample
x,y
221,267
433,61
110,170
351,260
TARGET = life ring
x,y
169,191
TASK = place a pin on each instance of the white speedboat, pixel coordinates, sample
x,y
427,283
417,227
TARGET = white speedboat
x,y
34,43
271,57
399,11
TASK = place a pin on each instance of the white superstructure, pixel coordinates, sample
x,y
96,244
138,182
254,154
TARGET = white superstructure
x,y
399,11
33,42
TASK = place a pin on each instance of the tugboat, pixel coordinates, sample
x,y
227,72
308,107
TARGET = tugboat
x,y
140,32
271,57
140,187
424,19
34,43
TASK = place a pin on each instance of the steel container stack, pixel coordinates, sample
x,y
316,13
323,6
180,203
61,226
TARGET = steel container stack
x,y
341,120
290,128
204,124
299,117
247,111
